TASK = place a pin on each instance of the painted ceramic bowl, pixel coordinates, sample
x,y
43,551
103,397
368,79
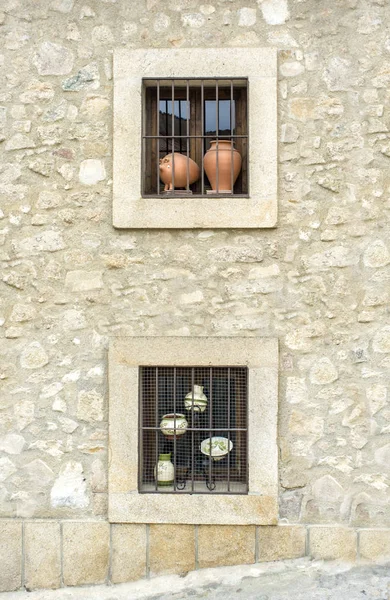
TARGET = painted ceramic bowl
x,y
216,447
173,423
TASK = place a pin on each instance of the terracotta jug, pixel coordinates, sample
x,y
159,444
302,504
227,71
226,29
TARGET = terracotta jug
x,y
228,161
180,162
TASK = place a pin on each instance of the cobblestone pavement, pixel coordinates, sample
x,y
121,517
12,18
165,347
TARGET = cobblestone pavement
x,y
357,584
289,580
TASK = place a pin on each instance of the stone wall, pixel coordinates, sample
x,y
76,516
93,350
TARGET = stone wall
x,y
319,281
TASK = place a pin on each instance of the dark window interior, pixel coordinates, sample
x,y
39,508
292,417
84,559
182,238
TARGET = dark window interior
x,y
190,115
163,391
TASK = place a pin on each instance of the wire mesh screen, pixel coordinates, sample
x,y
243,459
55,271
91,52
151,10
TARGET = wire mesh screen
x,y
193,430
195,137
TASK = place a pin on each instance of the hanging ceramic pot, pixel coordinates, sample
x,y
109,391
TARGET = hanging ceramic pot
x,y
197,400
173,423
228,162
165,471
179,164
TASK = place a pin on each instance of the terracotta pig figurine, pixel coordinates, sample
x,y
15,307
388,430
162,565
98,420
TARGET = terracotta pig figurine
x,y
180,164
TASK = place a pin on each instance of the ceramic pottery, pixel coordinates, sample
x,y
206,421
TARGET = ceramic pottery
x,y
220,447
165,470
169,425
180,164
228,161
199,402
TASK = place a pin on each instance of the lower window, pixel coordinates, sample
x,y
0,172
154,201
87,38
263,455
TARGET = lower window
x,y
193,430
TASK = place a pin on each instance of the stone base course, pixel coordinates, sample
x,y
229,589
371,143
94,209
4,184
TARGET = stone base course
x,y
10,555
85,548
42,555
52,554
128,555
171,549
332,543
281,543
374,545
225,545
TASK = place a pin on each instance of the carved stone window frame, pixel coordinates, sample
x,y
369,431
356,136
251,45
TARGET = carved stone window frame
x,y
126,504
132,211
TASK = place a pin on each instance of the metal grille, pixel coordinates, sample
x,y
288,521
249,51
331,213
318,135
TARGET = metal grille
x,y
193,430
183,117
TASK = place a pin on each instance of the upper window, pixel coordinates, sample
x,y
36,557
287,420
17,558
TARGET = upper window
x,y
195,137
209,115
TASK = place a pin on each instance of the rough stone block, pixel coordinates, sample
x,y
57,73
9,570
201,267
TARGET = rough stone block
x,y
223,545
171,549
42,546
85,552
10,556
281,543
374,545
128,553
332,543
82,281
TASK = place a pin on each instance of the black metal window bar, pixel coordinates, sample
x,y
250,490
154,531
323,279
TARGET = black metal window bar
x,y
184,117
193,430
